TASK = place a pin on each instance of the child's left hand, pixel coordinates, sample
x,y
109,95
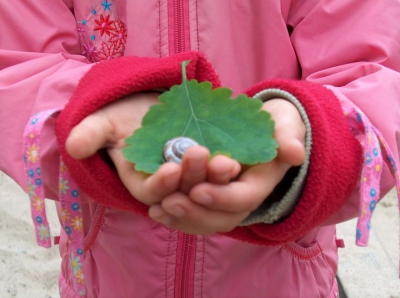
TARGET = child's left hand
x,y
216,196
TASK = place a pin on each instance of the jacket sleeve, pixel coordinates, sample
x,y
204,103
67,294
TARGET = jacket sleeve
x,y
352,48
39,68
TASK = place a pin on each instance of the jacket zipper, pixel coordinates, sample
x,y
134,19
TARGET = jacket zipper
x,y
178,26
186,246
186,256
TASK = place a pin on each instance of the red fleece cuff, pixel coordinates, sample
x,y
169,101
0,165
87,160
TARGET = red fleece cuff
x,y
335,165
107,82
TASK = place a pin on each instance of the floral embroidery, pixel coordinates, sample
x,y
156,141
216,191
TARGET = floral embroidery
x,y
106,5
104,25
103,36
118,35
90,52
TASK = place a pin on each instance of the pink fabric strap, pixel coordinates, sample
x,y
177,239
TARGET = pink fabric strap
x,y
72,221
376,150
69,196
33,172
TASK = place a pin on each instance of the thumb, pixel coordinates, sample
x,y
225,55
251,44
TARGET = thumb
x,y
291,149
90,135
290,131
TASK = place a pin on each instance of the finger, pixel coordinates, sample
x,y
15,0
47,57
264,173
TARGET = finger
x,y
194,167
149,189
291,150
245,194
222,169
289,130
178,212
90,135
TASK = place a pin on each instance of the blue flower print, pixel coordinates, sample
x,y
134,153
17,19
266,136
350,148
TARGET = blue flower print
x,y
372,192
38,181
39,219
31,173
67,230
376,152
79,251
372,205
75,193
75,206
358,234
368,158
392,162
359,117
369,225
34,121
39,171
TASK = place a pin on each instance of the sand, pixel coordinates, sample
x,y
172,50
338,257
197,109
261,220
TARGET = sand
x,y
28,270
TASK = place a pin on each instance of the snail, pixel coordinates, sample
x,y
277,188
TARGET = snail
x,y
174,148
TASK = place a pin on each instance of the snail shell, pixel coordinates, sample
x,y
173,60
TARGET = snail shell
x,y
174,148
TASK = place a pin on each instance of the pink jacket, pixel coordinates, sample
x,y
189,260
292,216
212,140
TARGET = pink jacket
x,y
345,46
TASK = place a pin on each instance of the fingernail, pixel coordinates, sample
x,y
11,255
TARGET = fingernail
x,y
204,199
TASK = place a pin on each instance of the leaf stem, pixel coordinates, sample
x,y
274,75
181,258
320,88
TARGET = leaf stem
x,y
184,76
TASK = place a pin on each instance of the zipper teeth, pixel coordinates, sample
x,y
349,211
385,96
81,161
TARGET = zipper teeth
x,y
179,26
185,264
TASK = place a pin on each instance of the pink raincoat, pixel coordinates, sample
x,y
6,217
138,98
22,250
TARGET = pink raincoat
x,y
348,47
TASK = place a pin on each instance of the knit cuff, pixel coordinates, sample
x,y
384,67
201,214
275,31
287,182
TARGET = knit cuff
x,y
287,193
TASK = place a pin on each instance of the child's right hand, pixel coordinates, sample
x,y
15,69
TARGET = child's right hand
x,y
111,125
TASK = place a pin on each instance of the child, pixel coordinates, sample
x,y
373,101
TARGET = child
x,y
206,228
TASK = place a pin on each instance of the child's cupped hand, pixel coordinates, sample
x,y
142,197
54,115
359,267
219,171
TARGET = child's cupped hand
x,y
202,195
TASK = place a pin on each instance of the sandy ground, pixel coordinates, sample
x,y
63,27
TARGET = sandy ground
x,y
27,270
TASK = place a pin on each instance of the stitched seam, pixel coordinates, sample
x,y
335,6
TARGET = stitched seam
x,y
202,267
166,264
197,25
159,28
301,253
97,224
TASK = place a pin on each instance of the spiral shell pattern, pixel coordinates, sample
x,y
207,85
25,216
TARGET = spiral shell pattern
x,y
174,148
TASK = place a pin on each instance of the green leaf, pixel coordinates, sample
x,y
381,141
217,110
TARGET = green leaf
x,y
235,127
